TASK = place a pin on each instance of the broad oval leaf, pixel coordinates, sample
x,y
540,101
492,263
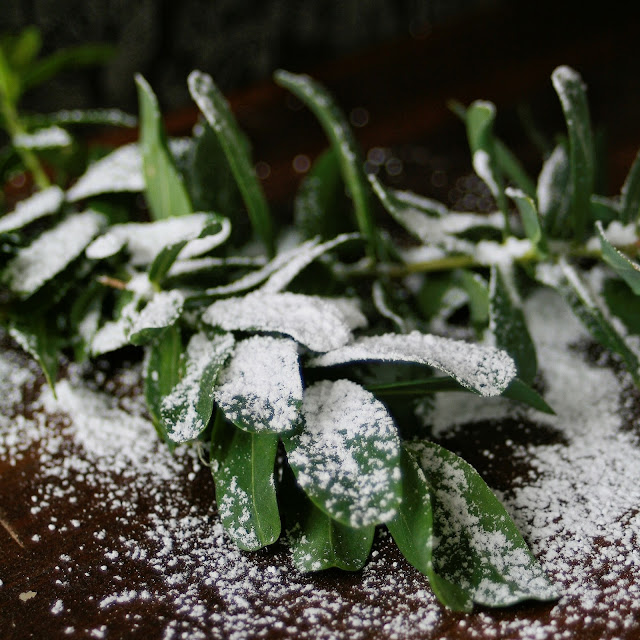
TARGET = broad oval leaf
x,y
243,470
260,388
164,188
507,322
217,113
119,171
322,543
479,547
51,252
161,312
412,531
315,322
484,369
186,411
337,129
40,204
572,93
346,458
629,271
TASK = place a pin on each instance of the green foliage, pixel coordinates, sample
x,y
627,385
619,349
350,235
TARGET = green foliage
x,y
285,386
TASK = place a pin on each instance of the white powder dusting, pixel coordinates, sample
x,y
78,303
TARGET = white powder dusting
x,y
347,456
51,252
315,322
260,388
40,204
485,369
161,311
48,138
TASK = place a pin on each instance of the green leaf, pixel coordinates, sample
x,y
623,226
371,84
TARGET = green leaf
x,y
162,372
477,288
480,549
629,271
105,117
412,531
51,253
318,199
320,542
346,457
508,324
84,55
484,369
164,260
336,128
35,335
260,388
521,392
529,214
509,164
553,192
622,303
24,48
243,471
187,409
630,194
566,281
571,91
216,110
479,119
162,311
164,188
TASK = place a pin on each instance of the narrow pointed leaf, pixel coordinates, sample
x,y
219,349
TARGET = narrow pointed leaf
x,y
51,252
107,117
622,303
217,113
629,271
337,129
480,548
162,373
161,312
529,214
260,388
630,195
553,192
186,411
508,324
521,392
164,188
322,543
412,531
347,455
243,470
566,281
317,323
40,204
571,91
509,164
477,288
484,369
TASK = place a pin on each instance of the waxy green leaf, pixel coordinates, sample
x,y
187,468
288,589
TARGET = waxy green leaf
x,y
553,193
346,456
507,322
480,549
260,388
337,129
243,471
629,271
630,195
217,113
162,311
320,542
572,93
187,409
412,531
529,214
164,188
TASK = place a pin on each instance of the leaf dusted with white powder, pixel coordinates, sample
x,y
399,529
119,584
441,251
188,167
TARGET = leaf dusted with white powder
x,y
315,322
119,171
483,369
160,312
187,409
51,252
347,457
40,204
479,547
260,388
243,470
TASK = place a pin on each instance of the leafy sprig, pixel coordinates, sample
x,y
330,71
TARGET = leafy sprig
x,y
302,386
